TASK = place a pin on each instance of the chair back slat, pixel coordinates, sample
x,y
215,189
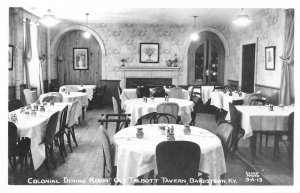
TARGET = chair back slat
x,y
178,159
51,128
247,99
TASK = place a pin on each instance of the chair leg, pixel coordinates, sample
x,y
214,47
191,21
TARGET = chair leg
x,y
46,160
52,156
73,136
62,143
260,142
68,134
31,163
60,146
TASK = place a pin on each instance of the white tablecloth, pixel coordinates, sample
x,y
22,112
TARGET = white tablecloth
x,y
130,93
260,118
135,157
89,89
221,100
205,93
34,127
137,108
74,96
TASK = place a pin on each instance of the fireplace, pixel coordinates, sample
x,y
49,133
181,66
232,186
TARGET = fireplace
x,y
151,76
149,82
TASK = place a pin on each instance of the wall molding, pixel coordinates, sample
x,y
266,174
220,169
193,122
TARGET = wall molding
x,y
264,86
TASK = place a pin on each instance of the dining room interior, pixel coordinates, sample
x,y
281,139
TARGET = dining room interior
x,y
151,96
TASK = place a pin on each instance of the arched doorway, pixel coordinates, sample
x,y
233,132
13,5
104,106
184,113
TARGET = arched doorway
x,y
206,59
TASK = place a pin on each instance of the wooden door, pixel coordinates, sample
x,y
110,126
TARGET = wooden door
x,y
248,68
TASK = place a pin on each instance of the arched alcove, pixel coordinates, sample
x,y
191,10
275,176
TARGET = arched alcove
x,y
65,31
216,39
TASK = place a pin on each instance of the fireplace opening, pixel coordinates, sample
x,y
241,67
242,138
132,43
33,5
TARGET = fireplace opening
x,y
149,82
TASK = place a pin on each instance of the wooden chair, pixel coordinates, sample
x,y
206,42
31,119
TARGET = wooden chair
x,y
142,91
176,92
225,134
49,139
30,96
177,160
18,148
118,113
108,154
69,131
59,136
219,88
249,97
120,120
236,123
52,99
159,92
287,138
14,104
258,102
166,113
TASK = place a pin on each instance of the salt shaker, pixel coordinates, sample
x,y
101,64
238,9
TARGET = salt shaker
x,y
139,133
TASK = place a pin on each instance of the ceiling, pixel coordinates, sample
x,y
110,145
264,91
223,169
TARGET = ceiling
x,y
144,15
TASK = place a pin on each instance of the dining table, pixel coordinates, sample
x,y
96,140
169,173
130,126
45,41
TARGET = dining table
x,y
136,156
205,92
130,93
138,108
34,127
221,100
72,97
255,119
76,88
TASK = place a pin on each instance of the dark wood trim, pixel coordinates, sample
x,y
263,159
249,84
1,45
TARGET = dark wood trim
x,y
270,87
11,92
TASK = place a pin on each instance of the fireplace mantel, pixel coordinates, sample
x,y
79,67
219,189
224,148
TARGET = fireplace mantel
x,y
150,68
149,72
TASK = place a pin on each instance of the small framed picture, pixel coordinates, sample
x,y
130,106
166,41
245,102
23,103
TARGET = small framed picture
x,y
270,56
149,52
10,57
80,58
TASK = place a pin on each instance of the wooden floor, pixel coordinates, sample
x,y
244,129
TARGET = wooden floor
x,y
85,164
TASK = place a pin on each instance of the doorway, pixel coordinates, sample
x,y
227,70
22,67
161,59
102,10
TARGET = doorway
x,y
206,60
248,68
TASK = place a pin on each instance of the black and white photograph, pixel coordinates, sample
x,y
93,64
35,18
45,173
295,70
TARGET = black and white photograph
x,y
152,96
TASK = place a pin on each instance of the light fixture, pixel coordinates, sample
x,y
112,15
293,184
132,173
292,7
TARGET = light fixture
x,y
242,19
49,20
195,35
86,34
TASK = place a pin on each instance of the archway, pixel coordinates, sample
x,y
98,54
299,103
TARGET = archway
x,y
212,38
61,34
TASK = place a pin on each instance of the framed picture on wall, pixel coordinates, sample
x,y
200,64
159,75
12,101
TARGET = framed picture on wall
x,y
149,52
10,57
80,58
270,56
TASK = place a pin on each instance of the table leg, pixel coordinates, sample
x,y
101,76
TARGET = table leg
x,y
253,146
